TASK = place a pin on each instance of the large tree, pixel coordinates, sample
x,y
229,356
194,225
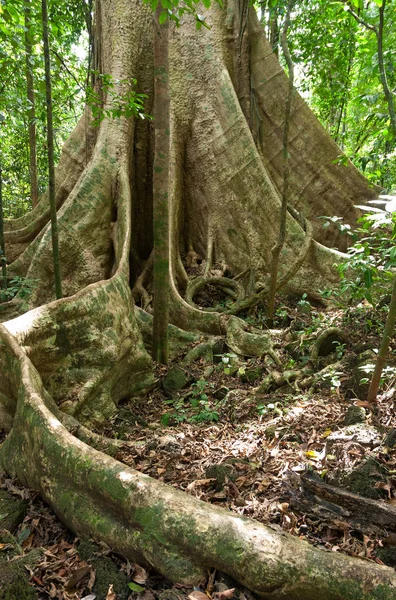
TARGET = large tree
x,y
66,363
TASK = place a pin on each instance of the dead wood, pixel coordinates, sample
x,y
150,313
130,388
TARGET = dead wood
x,y
310,495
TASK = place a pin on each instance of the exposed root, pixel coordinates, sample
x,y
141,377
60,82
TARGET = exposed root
x,y
261,296
247,343
139,292
228,286
329,336
203,350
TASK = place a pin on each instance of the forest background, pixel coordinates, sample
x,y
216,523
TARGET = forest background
x,y
337,72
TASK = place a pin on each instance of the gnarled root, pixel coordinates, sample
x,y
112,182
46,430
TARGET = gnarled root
x,y
231,287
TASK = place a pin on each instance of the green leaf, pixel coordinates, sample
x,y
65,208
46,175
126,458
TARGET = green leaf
x,y
206,3
162,18
135,587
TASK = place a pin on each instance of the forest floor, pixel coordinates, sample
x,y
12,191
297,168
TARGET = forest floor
x,y
212,431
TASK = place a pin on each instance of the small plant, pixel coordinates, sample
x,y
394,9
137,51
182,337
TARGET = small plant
x,y
23,286
227,361
333,378
339,349
303,304
197,410
200,401
367,274
122,100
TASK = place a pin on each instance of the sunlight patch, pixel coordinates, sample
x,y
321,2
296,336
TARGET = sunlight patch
x,y
126,477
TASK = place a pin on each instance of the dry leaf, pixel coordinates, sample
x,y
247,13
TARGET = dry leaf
x,y
197,596
77,577
224,595
140,575
111,595
364,404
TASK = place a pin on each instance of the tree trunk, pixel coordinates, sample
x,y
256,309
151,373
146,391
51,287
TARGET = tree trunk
x,y
161,190
50,150
71,360
34,194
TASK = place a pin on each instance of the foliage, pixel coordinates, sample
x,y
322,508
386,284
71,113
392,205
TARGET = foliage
x,y
67,23
368,272
338,73
175,9
23,286
121,99
194,407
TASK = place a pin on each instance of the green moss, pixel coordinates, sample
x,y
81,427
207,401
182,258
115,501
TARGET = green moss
x,y
106,573
387,555
363,479
14,584
12,511
87,549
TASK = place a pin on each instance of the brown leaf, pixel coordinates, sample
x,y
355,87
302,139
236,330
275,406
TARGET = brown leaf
x,y
77,577
111,595
139,574
364,403
382,485
224,595
197,596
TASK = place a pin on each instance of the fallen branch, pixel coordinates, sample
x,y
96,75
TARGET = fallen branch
x,y
310,495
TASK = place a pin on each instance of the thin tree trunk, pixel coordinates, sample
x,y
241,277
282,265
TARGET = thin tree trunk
x,y
383,351
31,110
384,80
50,147
286,174
160,191
2,244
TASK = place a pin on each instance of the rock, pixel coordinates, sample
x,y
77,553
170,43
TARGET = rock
x,y
360,433
366,359
355,414
175,380
14,583
363,479
219,349
270,432
168,443
220,473
12,511
387,555
106,571
390,439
